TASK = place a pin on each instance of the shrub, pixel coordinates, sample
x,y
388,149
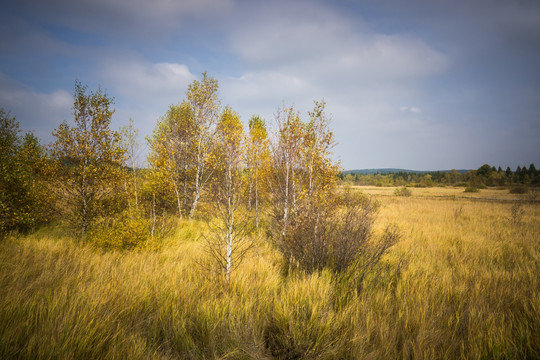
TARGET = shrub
x,y
471,189
403,191
516,214
127,230
337,235
519,189
533,195
458,212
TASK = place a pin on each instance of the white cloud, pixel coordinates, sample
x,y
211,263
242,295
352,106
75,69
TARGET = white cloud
x,y
297,53
35,111
410,109
143,90
262,92
318,42
145,81
279,33
292,54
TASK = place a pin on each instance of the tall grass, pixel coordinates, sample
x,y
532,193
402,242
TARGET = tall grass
x,y
454,287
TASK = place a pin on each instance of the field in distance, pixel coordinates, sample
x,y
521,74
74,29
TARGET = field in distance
x,y
452,193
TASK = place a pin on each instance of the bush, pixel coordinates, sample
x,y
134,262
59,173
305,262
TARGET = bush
x,y
519,189
337,235
403,191
533,195
516,214
127,230
471,189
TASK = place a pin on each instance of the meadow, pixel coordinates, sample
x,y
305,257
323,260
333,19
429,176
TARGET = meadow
x,y
462,283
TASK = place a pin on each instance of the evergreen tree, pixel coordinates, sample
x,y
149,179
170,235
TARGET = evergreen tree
x,y
533,174
517,174
523,174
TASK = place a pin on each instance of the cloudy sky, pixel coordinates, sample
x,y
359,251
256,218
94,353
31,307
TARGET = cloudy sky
x,y
416,84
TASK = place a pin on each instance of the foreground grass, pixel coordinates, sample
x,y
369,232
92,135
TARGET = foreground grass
x,y
462,283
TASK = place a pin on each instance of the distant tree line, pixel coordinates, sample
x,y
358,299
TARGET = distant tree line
x,y
486,175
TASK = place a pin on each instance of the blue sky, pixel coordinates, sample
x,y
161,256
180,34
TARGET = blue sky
x,y
414,84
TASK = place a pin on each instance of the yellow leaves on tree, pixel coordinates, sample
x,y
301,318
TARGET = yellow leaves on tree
x,y
88,158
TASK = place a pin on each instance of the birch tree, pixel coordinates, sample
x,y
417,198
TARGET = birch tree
x,y
286,164
228,243
183,141
202,97
173,154
88,157
131,148
258,163
307,239
320,171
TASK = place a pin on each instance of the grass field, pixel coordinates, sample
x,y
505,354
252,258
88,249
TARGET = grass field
x,y
448,193
463,282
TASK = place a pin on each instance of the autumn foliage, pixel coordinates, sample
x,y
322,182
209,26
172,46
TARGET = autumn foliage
x,y
203,163
240,242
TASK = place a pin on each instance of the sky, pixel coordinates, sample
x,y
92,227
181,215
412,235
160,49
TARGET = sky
x,y
418,84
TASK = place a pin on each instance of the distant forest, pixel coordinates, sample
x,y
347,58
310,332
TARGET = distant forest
x,y
486,175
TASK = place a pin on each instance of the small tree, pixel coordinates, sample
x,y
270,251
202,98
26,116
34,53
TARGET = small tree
x,y
202,97
35,166
10,183
24,196
131,149
173,154
303,173
88,158
533,174
320,171
228,243
316,226
286,163
258,162
183,141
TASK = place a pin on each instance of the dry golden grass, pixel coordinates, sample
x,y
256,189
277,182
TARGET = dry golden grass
x,y
462,283
448,192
